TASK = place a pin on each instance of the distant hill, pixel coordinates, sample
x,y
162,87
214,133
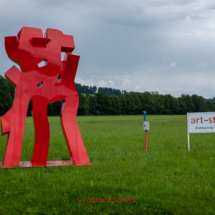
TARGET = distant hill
x,y
93,90
210,100
105,90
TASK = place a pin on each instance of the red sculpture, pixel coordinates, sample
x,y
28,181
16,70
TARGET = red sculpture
x,y
50,83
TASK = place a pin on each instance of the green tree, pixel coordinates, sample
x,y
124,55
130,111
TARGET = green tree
x,y
82,108
186,104
6,95
100,103
92,105
159,103
115,105
106,105
57,108
122,103
213,105
130,103
175,106
171,105
199,103
209,106
148,104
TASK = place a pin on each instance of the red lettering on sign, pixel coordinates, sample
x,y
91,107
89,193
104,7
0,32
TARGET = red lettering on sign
x,y
202,120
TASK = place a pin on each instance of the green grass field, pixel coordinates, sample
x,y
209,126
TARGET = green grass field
x,y
166,179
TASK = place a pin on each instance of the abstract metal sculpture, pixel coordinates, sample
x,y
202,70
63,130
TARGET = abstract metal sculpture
x,y
50,83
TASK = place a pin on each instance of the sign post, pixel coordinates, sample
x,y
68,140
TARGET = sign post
x,y
146,128
201,122
188,136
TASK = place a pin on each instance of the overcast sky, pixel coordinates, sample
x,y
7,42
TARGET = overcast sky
x,y
135,45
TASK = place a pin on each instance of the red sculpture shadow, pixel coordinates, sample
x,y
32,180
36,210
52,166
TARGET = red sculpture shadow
x,y
50,83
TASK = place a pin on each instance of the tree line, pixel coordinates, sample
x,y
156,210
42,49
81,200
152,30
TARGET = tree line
x,y
127,103
93,90
130,103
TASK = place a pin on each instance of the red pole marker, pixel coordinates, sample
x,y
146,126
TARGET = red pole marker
x,y
146,141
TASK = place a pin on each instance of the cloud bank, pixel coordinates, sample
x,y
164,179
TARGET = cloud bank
x,y
165,46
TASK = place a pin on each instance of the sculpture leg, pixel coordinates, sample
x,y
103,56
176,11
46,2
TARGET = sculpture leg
x,y
14,123
71,132
42,131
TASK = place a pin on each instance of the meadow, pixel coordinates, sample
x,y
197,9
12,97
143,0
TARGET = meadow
x,y
167,179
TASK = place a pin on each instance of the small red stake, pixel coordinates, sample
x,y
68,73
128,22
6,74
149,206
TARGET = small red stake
x,y
146,141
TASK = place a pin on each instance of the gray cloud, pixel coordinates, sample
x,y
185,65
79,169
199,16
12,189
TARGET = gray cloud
x,y
162,45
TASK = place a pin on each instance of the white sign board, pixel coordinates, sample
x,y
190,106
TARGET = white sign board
x,y
146,126
200,122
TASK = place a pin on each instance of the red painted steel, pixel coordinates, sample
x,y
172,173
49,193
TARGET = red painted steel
x,y
49,83
146,141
